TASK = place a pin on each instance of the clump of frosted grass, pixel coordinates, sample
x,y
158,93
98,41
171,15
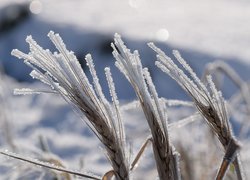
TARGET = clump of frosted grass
x,y
210,104
63,73
154,109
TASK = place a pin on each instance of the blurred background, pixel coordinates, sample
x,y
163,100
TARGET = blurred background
x,y
202,30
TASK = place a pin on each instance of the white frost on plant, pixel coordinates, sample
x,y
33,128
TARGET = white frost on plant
x,y
193,86
27,91
154,109
130,65
63,73
210,104
116,106
49,165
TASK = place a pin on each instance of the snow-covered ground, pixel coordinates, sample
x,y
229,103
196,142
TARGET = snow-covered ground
x,y
203,31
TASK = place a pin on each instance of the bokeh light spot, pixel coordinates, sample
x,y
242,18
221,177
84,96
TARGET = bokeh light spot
x,y
162,34
36,7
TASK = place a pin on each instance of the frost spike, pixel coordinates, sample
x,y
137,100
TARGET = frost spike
x,y
111,84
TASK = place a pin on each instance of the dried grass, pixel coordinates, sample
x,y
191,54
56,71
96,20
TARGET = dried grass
x,y
62,72
210,104
130,65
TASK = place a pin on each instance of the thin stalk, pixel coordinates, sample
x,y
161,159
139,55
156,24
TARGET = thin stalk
x,y
238,168
49,166
229,157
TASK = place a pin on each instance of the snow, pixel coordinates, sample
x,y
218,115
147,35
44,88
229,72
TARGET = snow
x,y
206,26
202,31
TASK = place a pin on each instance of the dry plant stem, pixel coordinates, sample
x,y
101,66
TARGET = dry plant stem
x,y
176,166
229,157
222,170
229,72
114,152
63,73
108,175
139,154
185,121
209,102
49,166
244,89
187,172
238,168
43,144
163,152
130,65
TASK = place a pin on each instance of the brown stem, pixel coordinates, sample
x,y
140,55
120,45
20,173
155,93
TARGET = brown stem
x,y
222,170
238,168
229,157
139,154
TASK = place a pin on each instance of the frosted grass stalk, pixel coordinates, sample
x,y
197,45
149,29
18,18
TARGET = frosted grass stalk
x,y
130,65
209,102
63,73
219,66
48,165
168,102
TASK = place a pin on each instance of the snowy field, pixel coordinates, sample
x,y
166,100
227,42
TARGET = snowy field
x,y
203,31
